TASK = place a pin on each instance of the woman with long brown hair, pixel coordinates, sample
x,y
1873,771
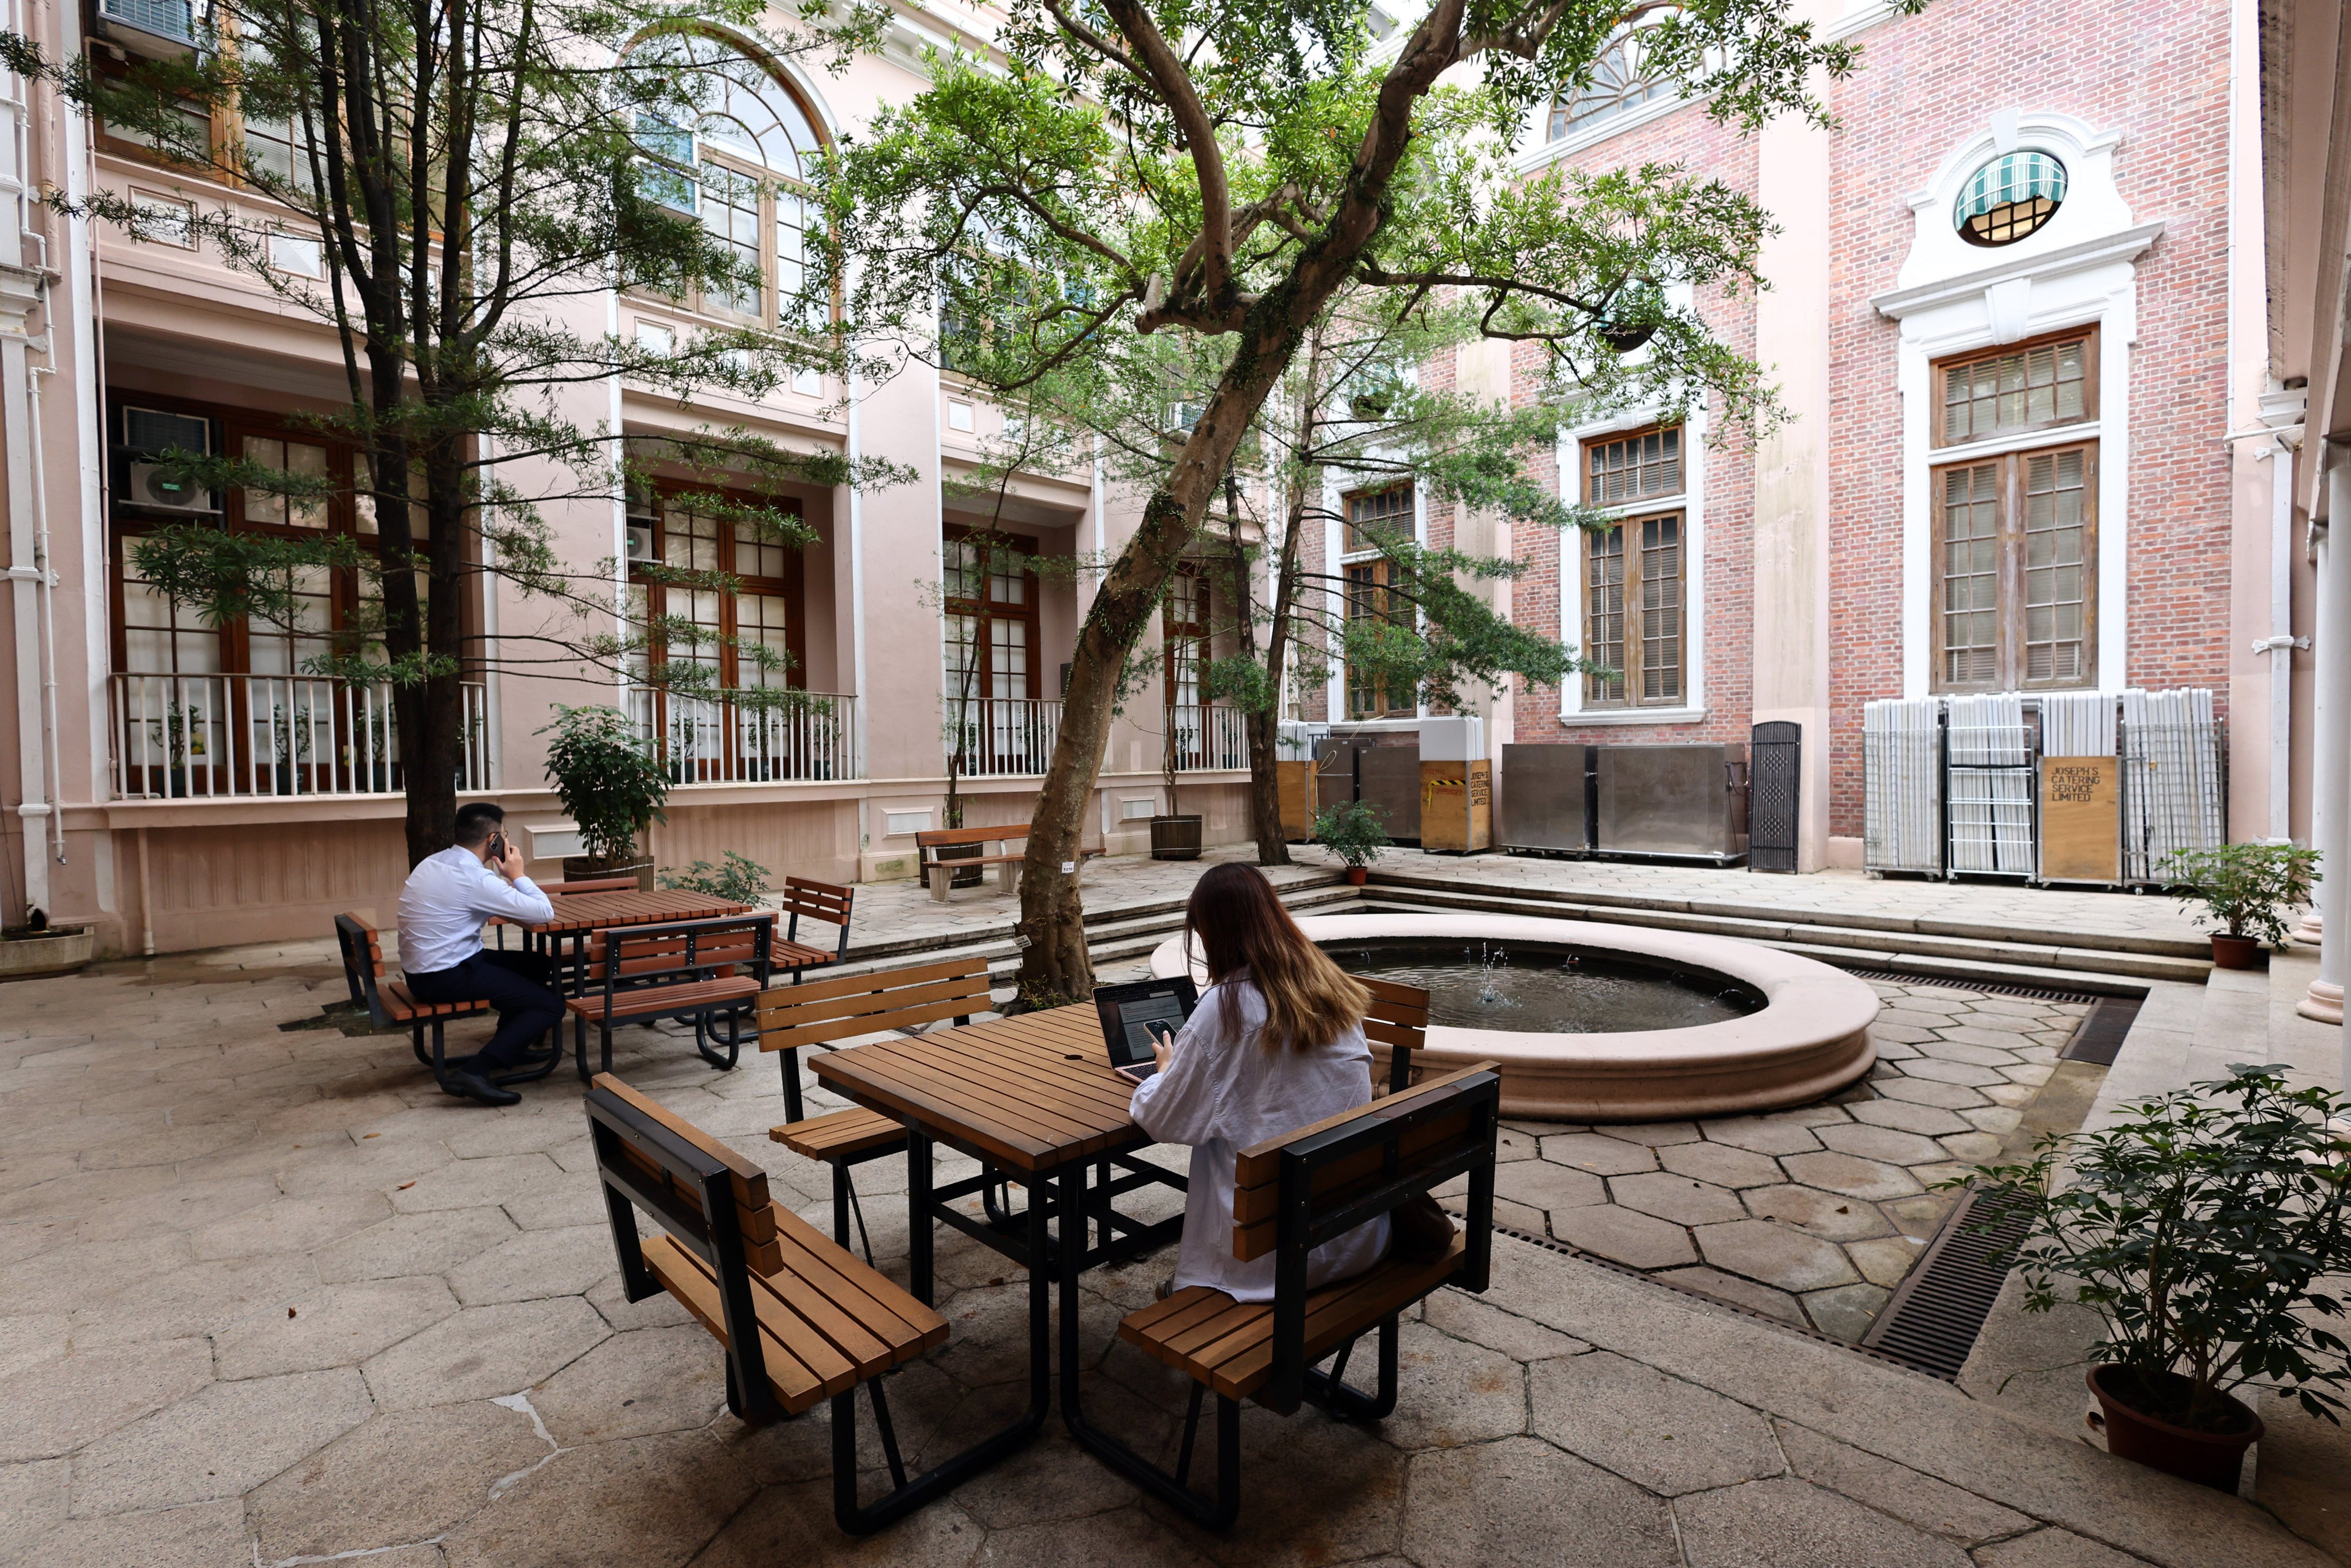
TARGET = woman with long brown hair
x,y
1275,1043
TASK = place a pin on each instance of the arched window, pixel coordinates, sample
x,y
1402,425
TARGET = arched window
x,y
1619,85
741,168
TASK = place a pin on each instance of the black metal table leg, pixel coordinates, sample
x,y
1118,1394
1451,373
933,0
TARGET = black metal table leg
x,y
919,1265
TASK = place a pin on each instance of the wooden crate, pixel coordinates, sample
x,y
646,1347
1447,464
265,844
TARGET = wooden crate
x,y
1456,805
2081,820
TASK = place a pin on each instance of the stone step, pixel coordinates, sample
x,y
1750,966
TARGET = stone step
x,y
1855,947
1775,915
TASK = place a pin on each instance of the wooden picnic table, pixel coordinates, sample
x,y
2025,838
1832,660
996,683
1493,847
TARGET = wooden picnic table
x,y
1035,1101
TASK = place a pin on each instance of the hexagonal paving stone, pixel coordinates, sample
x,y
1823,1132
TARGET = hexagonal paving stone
x,y
1896,1148
1721,1164
1652,1133
1677,1197
1775,1254
1886,1259
1846,1310
1542,1184
1852,1176
1510,1504
1930,1120
1919,1215
1964,1072
394,1478
1973,1147
1634,1239
1786,1133
1602,1156
1927,1091
1831,1216
1732,1287
1788,1521
222,1440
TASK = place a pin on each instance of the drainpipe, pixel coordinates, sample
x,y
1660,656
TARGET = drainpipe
x,y
2331,754
21,293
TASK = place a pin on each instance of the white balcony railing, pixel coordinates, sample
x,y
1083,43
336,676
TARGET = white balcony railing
x,y
194,738
1208,738
1000,736
805,735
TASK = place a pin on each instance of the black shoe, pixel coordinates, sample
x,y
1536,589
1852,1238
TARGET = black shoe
x,y
473,1086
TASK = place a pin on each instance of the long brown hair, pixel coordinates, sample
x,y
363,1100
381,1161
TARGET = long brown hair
x,y
1237,921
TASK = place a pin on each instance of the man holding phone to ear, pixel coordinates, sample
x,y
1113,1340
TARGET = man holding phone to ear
x,y
442,909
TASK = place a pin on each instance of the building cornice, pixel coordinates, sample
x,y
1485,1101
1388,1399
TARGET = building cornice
x,y
2126,245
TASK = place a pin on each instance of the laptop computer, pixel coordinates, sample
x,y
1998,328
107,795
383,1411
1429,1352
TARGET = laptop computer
x,y
1132,1014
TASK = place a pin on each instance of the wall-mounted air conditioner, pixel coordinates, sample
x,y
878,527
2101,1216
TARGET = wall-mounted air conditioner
x,y
147,435
640,541
150,486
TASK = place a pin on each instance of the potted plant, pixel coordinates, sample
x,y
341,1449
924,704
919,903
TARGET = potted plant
x,y
2245,889
611,785
2196,1227
1175,836
1350,830
740,880
37,948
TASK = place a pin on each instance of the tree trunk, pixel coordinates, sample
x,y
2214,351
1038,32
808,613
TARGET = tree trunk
x,y
1265,788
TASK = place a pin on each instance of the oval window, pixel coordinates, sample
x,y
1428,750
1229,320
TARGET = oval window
x,y
2009,198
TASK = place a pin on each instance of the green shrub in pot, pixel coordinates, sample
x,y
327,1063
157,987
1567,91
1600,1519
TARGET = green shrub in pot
x,y
611,784
1350,830
2246,890
2201,1227
739,880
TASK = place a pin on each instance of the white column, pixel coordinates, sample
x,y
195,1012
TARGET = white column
x,y
2331,760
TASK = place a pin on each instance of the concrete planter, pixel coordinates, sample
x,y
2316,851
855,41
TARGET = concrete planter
x,y
584,868
58,951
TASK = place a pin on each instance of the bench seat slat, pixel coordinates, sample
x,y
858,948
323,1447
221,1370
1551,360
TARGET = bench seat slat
x,y
1228,1345
829,1138
681,1274
884,1307
655,1000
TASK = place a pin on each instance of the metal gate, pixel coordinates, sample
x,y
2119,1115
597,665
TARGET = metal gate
x,y
1775,777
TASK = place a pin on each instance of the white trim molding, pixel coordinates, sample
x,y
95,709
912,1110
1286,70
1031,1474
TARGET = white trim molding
x,y
1692,502
2080,269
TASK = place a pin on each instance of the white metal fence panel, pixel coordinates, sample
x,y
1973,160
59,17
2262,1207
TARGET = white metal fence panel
x,y
2077,724
2172,797
1902,785
1991,786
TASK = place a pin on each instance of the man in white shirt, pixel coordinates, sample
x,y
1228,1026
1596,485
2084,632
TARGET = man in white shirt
x,y
442,909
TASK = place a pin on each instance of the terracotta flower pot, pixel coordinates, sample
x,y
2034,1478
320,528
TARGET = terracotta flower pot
x,y
1358,874
2208,1459
2236,951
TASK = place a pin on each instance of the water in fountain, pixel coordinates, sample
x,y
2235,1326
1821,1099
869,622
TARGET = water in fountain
x,y
1547,990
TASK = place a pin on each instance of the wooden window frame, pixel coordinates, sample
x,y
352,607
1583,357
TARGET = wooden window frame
x,y
1367,599
986,608
230,427
790,586
2010,609
2088,336
1172,632
1626,516
1351,539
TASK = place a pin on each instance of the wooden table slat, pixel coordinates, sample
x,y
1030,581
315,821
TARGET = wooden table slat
x,y
948,1079
1066,1100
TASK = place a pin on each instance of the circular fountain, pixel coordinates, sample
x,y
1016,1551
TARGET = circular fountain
x,y
1591,1022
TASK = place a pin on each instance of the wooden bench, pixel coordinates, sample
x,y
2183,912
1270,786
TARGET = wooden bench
x,y
684,969
1290,1194
1396,1026
799,1319
938,874
824,1012
392,1005
821,902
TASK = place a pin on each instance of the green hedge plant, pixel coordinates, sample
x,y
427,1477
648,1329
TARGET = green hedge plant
x,y
740,880
2246,889
1350,830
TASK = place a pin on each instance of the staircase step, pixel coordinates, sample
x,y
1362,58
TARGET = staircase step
x,y
1776,914
1853,947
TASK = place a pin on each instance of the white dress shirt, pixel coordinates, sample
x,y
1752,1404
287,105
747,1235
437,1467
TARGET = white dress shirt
x,y
447,897
1222,1092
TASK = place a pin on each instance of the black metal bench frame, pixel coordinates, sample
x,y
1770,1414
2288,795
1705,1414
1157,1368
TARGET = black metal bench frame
x,y
359,974
687,968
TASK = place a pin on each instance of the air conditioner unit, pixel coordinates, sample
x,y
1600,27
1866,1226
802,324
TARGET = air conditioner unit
x,y
640,541
150,486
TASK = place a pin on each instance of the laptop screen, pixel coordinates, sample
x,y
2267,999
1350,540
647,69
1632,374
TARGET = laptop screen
x,y
1132,1014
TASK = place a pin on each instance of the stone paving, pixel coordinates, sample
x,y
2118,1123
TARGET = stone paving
x,y
1814,1213
267,1297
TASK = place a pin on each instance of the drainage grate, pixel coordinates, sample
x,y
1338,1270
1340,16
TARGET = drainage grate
x,y
2098,1039
1988,988
1933,1320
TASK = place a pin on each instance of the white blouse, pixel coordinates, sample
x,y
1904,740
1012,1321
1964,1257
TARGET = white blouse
x,y
1222,1092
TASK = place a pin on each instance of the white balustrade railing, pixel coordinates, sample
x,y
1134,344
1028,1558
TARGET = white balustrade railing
x,y
1208,738
181,737
1000,736
798,736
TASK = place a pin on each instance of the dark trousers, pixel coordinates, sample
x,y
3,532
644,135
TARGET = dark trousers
x,y
514,983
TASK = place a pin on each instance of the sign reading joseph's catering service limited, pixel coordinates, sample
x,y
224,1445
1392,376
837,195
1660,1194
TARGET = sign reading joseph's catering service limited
x,y
2081,837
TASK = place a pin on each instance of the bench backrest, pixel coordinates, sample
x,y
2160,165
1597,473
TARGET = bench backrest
x,y
938,838
683,950
1293,1193
820,1012
710,1200
1398,1022
362,965
819,900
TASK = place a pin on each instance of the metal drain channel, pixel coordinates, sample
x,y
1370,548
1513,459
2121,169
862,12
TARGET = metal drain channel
x,y
1932,1321
1988,988
2098,1037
